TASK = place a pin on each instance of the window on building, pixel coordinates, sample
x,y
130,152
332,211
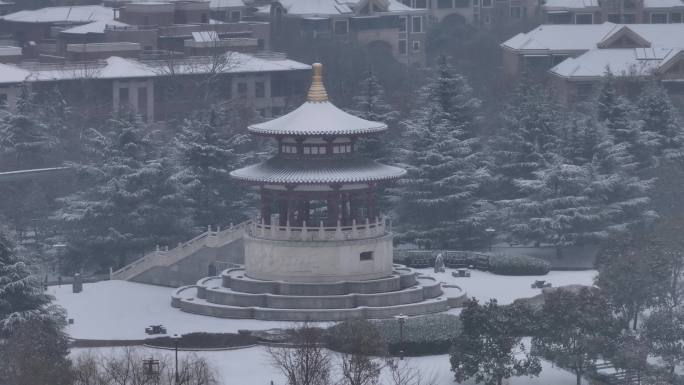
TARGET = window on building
x,y
146,20
366,256
276,111
242,89
486,19
235,16
204,19
422,4
342,148
658,18
406,3
675,17
341,27
402,47
486,3
584,18
445,4
315,150
288,149
461,3
629,18
416,46
614,17
260,89
403,22
516,13
3,100
417,24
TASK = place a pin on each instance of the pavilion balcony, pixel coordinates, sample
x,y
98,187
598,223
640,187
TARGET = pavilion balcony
x,y
366,230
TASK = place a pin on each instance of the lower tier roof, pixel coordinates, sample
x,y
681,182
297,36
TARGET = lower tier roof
x,y
317,171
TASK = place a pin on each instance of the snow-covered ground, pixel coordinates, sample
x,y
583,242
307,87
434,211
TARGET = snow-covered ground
x,y
251,366
110,310
506,289
122,310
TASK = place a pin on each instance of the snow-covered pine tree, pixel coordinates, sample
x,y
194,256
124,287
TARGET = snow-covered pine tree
x,y
25,137
210,146
528,139
584,199
622,120
33,347
21,296
659,116
442,202
370,104
130,204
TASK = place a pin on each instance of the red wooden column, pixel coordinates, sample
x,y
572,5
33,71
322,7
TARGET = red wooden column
x,y
266,199
370,203
333,202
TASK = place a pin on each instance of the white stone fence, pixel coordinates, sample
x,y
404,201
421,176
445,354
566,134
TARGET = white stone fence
x,y
163,256
320,233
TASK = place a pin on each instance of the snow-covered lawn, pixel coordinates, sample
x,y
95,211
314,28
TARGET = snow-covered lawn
x,y
506,289
122,310
110,310
251,366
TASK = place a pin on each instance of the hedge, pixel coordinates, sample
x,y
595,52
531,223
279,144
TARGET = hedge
x,y
518,265
205,341
424,335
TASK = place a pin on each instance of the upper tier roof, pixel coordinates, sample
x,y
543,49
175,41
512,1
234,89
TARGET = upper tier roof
x,y
317,117
319,171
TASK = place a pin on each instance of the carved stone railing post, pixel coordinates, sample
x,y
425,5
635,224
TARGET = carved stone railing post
x,y
354,230
321,232
368,229
338,230
304,231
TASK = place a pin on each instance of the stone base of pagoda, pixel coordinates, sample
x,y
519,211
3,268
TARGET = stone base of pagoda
x,y
234,295
318,254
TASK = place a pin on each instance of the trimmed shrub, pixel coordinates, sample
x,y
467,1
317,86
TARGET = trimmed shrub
x,y
518,265
205,341
423,335
356,337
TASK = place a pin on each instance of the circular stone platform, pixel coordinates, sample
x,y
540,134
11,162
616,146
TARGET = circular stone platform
x,y
234,295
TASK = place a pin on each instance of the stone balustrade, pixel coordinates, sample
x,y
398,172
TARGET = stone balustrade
x,y
379,227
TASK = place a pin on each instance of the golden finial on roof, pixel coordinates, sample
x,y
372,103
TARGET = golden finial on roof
x,y
317,90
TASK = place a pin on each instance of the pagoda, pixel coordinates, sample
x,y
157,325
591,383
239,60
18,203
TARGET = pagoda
x,y
318,218
319,250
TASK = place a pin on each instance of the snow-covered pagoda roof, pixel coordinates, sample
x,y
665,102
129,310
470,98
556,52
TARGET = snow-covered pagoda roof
x,y
317,117
322,171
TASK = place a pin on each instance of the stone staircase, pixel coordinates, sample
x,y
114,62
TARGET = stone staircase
x,y
170,259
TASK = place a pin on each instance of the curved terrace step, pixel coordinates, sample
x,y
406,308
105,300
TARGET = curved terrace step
x,y
199,306
239,282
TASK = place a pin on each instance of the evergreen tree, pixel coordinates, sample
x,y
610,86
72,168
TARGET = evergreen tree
x,y
210,148
26,138
583,199
528,138
442,202
577,328
488,349
21,295
664,333
621,119
33,346
131,203
658,114
633,275
370,104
